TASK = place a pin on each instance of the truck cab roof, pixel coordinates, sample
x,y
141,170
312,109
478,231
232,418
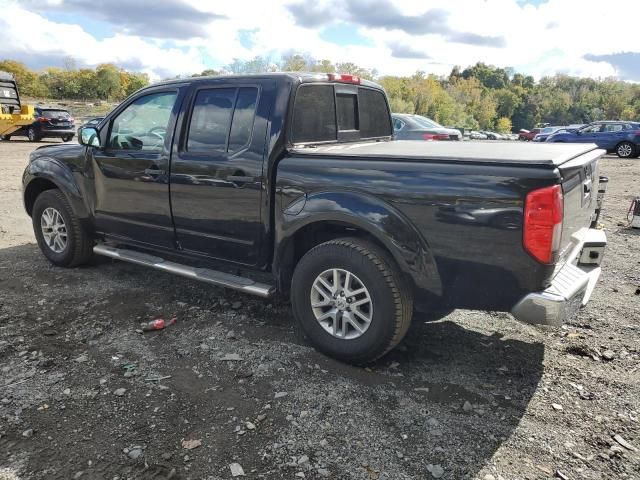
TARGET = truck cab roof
x,y
300,77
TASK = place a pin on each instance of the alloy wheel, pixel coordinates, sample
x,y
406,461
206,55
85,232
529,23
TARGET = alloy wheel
x,y
341,303
54,230
625,150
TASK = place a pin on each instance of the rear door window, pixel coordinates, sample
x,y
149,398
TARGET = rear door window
x,y
613,127
222,120
243,116
210,120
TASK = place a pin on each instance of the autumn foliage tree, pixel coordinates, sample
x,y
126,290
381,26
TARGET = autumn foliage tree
x,y
480,96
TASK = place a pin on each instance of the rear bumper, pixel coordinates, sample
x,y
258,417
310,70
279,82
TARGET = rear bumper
x,y
57,132
571,287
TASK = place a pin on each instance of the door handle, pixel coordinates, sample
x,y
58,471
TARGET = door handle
x,y
153,171
240,178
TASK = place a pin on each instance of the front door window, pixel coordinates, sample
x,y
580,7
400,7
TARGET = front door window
x,y
143,124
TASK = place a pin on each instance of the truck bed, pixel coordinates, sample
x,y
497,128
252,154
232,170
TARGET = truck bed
x,y
515,153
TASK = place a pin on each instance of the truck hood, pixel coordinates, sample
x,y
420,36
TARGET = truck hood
x,y
61,150
550,155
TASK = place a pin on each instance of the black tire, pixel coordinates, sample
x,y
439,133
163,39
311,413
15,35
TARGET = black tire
x,y
67,138
626,150
391,298
6,138
32,135
79,245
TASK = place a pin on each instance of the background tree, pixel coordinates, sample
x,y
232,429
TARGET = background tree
x,y
480,96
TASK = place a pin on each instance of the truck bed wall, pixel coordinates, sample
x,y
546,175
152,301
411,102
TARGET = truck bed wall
x,y
470,216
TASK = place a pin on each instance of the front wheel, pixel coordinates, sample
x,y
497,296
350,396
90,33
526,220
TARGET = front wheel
x,y
6,138
59,233
67,138
626,150
351,300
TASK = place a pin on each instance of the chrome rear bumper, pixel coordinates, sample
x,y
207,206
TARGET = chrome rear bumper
x,y
570,289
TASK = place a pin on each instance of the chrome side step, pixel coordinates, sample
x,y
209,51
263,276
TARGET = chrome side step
x,y
214,277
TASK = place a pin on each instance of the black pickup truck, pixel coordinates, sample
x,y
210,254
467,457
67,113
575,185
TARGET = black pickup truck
x,y
292,183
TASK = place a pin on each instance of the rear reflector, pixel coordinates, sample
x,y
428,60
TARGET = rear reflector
x,y
344,78
543,214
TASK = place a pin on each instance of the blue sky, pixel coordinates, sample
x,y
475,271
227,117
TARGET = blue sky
x,y
180,37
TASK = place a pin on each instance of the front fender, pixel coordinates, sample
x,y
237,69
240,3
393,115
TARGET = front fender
x,y
371,214
60,174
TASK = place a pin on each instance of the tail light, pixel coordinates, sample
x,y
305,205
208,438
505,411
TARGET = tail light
x,y
43,119
435,136
344,78
543,214
71,119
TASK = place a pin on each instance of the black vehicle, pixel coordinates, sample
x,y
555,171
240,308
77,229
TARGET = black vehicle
x,y
48,123
416,127
292,182
93,122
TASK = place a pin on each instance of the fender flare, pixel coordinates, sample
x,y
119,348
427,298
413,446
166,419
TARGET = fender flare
x,y
379,219
52,170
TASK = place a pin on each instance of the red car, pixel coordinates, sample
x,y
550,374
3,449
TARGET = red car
x,y
527,135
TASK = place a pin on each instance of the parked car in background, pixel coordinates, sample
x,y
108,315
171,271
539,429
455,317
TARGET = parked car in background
x,y
94,122
474,135
545,132
492,135
48,123
417,127
620,137
527,135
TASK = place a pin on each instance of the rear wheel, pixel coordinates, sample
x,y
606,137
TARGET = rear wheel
x,y
626,150
32,135
351,300
67,138
59,233
6,138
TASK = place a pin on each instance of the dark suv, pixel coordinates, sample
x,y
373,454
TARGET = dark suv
x,y
49,122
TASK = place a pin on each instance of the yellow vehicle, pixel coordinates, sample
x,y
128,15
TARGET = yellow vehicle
x,y
13,115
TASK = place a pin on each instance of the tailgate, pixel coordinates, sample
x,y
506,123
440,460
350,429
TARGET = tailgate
x,y
580,190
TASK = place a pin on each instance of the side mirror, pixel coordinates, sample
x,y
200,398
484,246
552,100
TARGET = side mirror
x,y
89,136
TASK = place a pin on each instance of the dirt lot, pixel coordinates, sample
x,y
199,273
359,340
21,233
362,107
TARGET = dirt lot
x,y
473,396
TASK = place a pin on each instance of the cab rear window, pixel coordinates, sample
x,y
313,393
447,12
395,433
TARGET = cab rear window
x,y
321,114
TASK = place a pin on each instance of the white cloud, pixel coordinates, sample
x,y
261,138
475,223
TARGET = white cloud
x,y
540,40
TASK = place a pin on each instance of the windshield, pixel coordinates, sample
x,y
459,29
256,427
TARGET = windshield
x,y
549,129
426,122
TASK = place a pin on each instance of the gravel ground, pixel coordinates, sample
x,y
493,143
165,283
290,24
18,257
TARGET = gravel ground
x,y
232,386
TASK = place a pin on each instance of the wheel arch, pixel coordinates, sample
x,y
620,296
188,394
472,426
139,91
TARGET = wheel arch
x,y
329,215
45,174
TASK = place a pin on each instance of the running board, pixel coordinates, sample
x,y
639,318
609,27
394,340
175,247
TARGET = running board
x,y
214,277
